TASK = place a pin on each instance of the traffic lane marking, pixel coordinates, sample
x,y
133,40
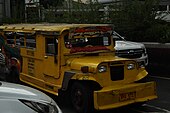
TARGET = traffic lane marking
x,y
165,78
146,108
165,110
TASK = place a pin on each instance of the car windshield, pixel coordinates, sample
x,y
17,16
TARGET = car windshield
x,y
117,37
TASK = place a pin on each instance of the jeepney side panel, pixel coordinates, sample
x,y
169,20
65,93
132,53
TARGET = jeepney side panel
x,y
32,63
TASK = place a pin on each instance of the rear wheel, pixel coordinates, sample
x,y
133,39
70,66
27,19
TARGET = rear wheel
x,y
82,97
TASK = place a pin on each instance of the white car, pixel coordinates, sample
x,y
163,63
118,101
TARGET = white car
x,y
15,98
132,50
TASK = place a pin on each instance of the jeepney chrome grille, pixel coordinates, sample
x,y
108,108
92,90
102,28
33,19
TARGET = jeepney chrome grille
x,y
117,72
130,53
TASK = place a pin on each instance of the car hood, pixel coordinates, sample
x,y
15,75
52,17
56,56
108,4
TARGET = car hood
x,y
16,91
124,45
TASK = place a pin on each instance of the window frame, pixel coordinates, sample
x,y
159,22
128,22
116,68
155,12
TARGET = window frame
x,y
54,43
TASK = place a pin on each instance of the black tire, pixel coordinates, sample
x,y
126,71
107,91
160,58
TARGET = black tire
x,y
137,105
82,97
64,98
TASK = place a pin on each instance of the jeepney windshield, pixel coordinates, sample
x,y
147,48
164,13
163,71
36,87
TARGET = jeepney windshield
x,y
101,40
88,40
89,43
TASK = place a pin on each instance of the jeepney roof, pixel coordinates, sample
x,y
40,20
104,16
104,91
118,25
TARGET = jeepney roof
x,y
45,27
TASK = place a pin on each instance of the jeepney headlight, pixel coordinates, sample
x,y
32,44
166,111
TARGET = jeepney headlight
x,y
102,69
131,66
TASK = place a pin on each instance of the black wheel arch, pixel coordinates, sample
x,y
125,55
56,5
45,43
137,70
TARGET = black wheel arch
x,y
67,81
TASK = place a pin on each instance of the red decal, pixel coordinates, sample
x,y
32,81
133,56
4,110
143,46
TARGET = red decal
x,y
87,49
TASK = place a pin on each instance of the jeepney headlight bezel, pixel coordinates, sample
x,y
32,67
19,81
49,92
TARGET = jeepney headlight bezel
x,y
130,66
102,68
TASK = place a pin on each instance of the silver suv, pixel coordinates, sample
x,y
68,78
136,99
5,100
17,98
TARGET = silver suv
x,y
132,50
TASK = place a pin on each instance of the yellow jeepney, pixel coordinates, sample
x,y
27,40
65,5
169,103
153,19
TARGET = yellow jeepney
x,y
78,59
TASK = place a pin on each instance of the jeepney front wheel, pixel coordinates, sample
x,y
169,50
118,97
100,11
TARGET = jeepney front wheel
x,y
82,97
137,105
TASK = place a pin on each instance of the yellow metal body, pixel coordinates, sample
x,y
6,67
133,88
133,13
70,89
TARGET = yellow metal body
x,y
113,97
47,71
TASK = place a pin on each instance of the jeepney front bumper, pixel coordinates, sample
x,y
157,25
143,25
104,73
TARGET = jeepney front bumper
x,y
117,96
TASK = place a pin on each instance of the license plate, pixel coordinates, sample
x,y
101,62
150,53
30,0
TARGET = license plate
x,y
127,96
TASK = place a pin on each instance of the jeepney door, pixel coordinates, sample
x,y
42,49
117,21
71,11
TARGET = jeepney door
x,y
50,58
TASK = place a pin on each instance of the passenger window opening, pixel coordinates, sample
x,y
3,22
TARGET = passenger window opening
x,y
51,46
10,38
20,41
67,41
30,41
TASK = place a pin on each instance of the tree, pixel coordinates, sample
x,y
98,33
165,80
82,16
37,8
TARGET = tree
x,y
49,11
47,3
86,12
135,17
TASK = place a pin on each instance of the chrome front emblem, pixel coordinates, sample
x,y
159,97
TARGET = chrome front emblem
x,y
131,51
